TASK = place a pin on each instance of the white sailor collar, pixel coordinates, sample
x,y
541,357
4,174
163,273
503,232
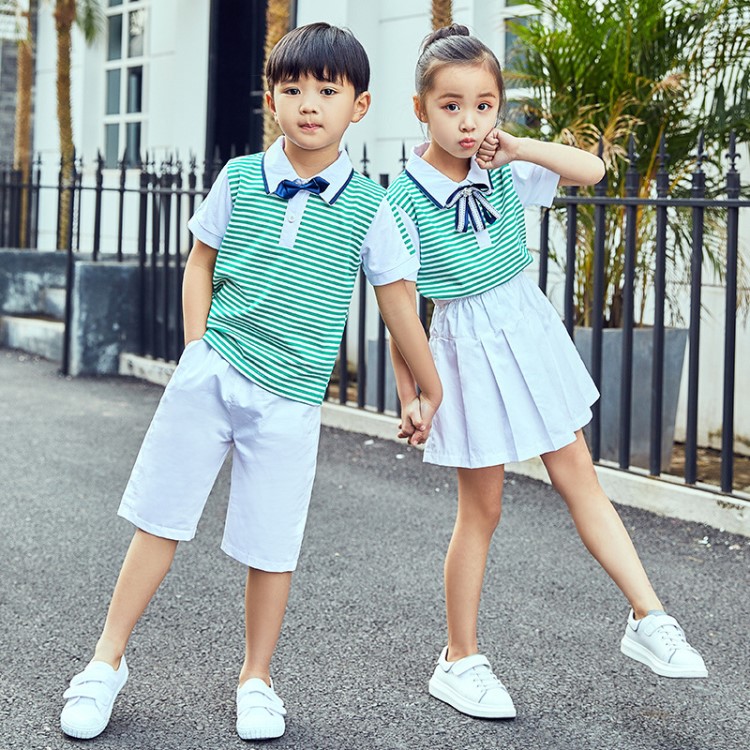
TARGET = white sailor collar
x,y
275,167
434,184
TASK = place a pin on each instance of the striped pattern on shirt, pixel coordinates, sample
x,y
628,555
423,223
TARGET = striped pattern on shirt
x,y
452,263
277,314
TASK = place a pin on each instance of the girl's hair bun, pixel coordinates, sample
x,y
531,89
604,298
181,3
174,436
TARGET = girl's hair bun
x,y
455,29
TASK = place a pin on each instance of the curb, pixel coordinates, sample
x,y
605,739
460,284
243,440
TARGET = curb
x,y
633,488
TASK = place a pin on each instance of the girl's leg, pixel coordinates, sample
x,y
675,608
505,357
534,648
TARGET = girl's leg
x,y
146,563
480,493
599,526
266,596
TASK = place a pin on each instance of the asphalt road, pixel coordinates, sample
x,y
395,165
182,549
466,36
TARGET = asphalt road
x,y
365,621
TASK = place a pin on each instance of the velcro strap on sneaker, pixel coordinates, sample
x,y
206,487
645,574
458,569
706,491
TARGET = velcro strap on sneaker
x,y
249,698
652,624
94,672
469,662
94,690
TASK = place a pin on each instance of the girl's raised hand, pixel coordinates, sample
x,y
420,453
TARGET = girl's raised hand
x,y
497,148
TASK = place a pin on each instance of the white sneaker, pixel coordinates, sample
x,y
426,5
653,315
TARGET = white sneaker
x,y
659,642
260,712
90,698
470,686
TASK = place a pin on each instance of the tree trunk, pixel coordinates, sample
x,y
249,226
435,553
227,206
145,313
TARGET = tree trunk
x,y
22,143
65,15
442,13
277,24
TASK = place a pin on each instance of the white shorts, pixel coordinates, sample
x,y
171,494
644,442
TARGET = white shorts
x,y
207,408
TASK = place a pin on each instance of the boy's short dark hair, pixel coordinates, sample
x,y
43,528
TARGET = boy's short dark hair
x,y
325,52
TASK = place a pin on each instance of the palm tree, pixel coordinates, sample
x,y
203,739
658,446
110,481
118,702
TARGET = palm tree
x,y
651,69
88,15
22,142
277,24
442,13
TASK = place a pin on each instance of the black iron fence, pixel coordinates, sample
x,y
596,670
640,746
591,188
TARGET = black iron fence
x,y
140,216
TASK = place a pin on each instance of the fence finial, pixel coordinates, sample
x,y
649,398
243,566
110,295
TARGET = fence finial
x,y
601,187
632,177
733,186
662,175
732,154
701,150
632,155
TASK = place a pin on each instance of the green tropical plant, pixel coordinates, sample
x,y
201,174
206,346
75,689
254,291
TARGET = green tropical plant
x,y
659,71
90,19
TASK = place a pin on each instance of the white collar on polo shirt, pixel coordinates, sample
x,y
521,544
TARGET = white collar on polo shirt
x,y
435,184
277,167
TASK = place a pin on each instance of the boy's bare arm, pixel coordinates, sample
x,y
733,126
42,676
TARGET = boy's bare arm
x,y
197,289
405,383
575,166
411,416
396,303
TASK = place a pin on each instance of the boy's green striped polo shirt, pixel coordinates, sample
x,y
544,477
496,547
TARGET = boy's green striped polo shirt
x,y
457,264
281,299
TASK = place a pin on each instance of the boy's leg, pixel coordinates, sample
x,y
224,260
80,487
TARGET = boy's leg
x,y
651,636
266,596
598,523
463,678
260,711
146,563
176,467
273,468
92,692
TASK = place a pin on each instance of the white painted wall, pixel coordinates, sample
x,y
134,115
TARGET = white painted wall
x,y
391,31
174,104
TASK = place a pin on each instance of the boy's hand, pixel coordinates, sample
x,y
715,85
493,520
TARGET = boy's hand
x,y
411,419
497,148
416,420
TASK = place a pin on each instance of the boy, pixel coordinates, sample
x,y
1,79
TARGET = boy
x,y
267,286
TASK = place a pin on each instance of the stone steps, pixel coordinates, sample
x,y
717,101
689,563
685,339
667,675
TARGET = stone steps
x,y
34,335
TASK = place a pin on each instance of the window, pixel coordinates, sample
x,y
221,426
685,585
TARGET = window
x,y
517,12
124,80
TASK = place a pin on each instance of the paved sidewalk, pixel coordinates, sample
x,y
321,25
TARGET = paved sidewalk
x,y
365,621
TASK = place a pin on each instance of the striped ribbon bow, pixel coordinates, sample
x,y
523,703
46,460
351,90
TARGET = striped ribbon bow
x,y
473,210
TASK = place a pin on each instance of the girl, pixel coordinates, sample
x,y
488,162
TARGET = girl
x,y
514,385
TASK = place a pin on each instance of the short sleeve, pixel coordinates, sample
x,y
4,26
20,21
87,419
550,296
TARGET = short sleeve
x,y
388,253
411,229
210,221
535,185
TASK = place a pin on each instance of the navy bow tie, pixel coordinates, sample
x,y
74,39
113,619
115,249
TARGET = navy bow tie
x,y
287,189
473,210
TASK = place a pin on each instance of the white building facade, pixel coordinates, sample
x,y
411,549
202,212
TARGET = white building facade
x,y
184,77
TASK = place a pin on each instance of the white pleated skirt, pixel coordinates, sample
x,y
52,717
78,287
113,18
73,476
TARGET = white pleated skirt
x,y
514,386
